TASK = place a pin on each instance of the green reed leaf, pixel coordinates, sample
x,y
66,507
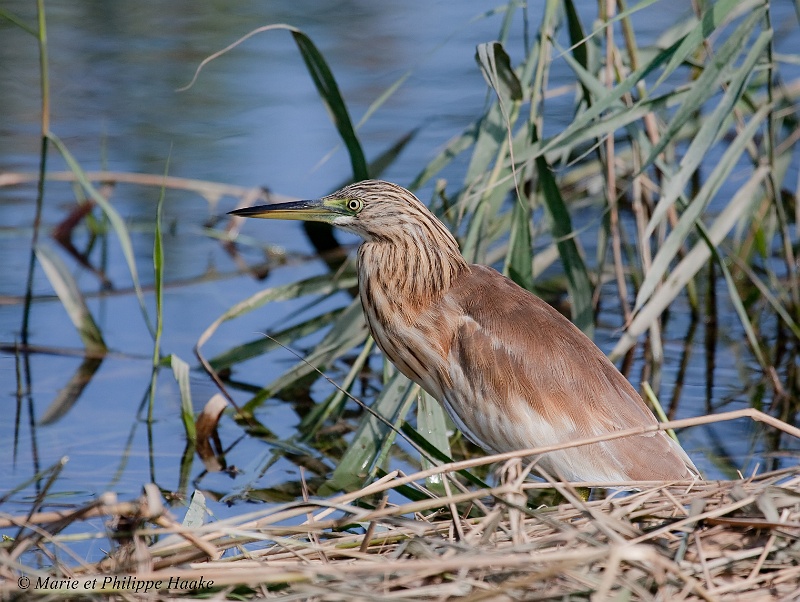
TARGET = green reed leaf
x,y
180,370
113,217
373,434
686,224
328,89
71,299
691,263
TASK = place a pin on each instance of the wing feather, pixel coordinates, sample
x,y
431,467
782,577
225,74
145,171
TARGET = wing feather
x,y
532,368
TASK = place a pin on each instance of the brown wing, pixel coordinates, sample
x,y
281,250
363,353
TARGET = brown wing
x,y
516,361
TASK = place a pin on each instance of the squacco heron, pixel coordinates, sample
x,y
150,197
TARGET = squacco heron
x,y
510,370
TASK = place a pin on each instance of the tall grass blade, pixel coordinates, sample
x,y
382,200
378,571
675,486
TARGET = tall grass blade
x,y
158,275
329,92
577,36
612,121
323,79
771,298
578,282
519,266
9,16
496,68
322,412
741,311
372,436
581,39
610,99
452,149
708,84
378,165
113,217
44,83
690,264
316,285
432,425
669,250
72,299
716,15
492,135
158,281
180,370
710,130
348,331
260,346
493,143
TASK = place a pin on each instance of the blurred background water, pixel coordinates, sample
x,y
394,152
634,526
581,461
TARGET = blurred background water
x,y
253,118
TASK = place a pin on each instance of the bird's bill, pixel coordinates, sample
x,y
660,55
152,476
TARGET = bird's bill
x,y
321,210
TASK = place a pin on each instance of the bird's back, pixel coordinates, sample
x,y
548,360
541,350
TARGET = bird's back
x,y
515,374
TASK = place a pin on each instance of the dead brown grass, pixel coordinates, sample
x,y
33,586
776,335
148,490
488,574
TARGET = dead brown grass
x,y
732,540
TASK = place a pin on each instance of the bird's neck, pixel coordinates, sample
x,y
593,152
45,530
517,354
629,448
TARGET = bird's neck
x,y
408,273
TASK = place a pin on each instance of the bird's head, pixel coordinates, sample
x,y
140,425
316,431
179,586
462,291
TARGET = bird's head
x,y
377,211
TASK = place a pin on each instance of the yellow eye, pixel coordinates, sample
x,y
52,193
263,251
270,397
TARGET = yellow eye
x,y
355,205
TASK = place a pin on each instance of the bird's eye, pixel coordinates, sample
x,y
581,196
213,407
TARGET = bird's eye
x,y
355,205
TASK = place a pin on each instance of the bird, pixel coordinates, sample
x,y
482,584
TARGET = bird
x,y
512,372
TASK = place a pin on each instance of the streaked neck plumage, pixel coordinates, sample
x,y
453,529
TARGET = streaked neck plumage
x,y
411,270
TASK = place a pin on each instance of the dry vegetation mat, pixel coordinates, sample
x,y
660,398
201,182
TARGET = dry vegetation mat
x,y
726,540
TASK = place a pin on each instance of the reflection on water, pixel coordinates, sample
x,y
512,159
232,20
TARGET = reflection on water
x,y
252,119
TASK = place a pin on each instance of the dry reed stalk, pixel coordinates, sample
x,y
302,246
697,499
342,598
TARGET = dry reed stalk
x,y
707,540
